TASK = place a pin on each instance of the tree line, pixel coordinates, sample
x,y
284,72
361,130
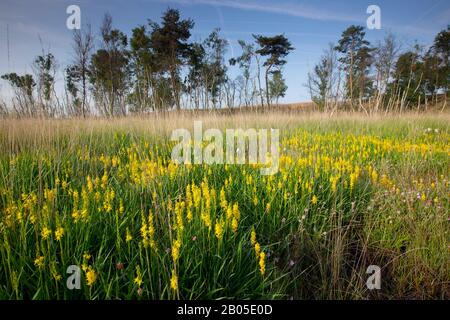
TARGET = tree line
x,y
159,68
358,76
156,69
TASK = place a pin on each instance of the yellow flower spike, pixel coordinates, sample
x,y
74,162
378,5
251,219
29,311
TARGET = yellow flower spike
x,y
253,237
223,200
262,263
45,233
189,214
86,256
104,180
374,176
234,225
257,249
138,280
229,212
236,212
174,281
91,276
121,207
90,184
255,200
314,200
128,236
176,250
39,262
59,233
218,229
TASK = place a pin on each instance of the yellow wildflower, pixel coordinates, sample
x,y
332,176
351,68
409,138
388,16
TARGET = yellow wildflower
x,y
262,263
229,212
39,262
236,211
90,185
128,236
45,233
91,276
174,281
218,228
138,279
176,250
86,256
234,225
59,233
257,249
223,200
253,237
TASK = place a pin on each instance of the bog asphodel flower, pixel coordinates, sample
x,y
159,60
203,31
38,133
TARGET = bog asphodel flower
x,y
229,212
59,233
253,237
218,229
86,256
39,262
45,233
189,214
234,225
91,276
174,281
128,236
236,212
257,249
223,200
176,250
138,279
262,263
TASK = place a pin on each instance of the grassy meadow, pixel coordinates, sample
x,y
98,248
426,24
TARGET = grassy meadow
x,y
351,191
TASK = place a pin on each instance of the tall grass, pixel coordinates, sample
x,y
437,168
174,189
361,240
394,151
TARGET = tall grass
x,y
352,191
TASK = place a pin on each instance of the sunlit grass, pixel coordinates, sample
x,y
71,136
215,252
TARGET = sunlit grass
x,y
104,195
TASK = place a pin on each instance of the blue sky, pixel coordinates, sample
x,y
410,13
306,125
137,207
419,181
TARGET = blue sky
x,y
310,25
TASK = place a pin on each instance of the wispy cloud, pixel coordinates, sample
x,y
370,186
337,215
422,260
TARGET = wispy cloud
x,y
278,7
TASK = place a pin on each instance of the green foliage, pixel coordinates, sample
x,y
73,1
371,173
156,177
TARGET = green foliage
x,y
356,59
170,44
25,82
109,70
275,49
277,86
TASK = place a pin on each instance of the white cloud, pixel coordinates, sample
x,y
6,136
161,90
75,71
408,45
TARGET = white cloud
x,y
278,7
